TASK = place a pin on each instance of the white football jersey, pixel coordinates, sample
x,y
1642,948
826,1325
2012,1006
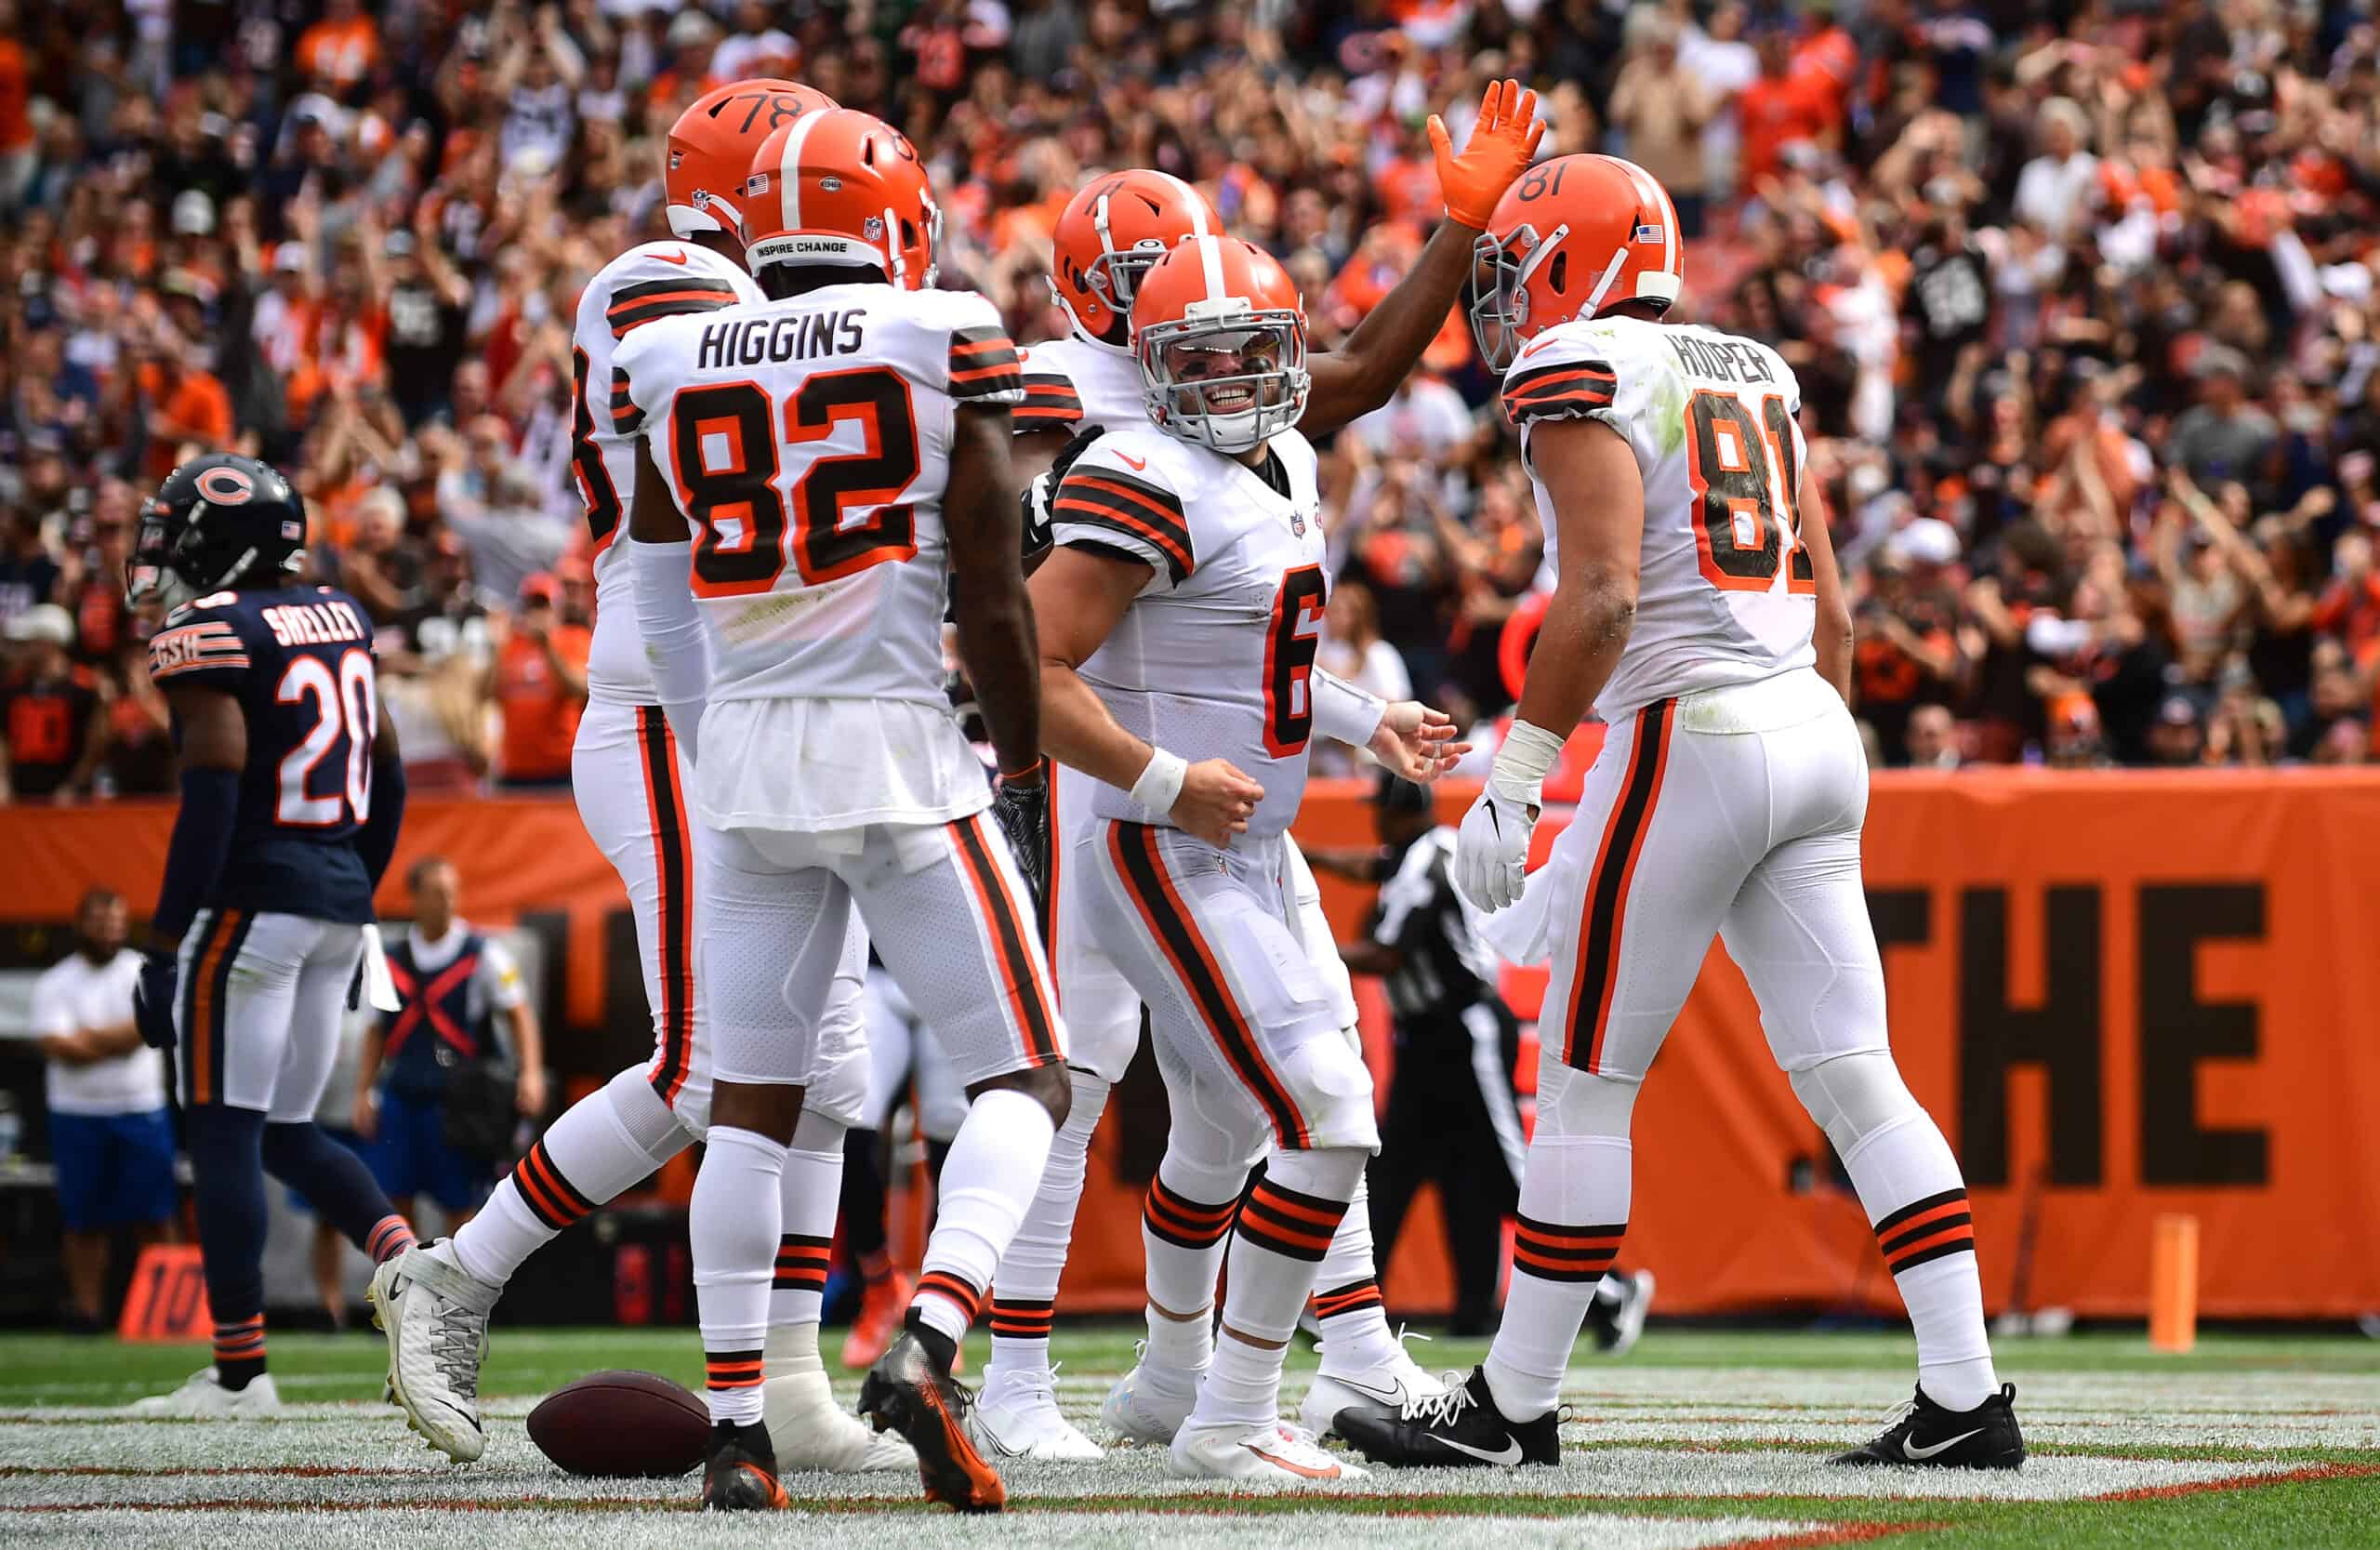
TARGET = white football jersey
x,y
1072,382
1214,659
809,443
1725,592
649,282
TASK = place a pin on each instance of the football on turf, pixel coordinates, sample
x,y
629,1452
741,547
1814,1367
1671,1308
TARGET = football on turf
x,y
634,1424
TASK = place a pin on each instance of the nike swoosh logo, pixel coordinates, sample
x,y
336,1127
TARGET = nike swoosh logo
x,y
1509,1454
1139,466
1329,1472
680,258
1535,345
1385,1396
1915,1454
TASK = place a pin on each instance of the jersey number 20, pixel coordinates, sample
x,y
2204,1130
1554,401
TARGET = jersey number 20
x,y
1739,466
723,444
344,707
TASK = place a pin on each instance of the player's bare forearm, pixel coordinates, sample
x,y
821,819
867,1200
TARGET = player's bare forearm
x,y
1586,628
1079,598
1363,373
1079,732
994,616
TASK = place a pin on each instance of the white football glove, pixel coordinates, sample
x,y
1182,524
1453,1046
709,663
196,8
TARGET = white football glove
x,y
1491,849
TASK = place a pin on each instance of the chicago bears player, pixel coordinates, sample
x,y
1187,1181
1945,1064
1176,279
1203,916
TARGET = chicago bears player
x,y
1108,236
627,775
1178,612
292,793
841,451
1698,608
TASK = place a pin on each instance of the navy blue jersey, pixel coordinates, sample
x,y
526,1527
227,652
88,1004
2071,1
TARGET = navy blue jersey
x,y
298,659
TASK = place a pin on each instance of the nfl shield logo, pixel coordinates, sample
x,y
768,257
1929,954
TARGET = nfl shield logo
x,y
1297,523
873,229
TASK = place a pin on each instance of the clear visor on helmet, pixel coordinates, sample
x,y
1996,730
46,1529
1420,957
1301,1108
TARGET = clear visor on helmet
x,y
1232,384
1499,269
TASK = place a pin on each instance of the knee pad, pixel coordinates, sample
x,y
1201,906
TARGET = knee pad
x,y
1089,1102
1324,1173
1333,1090
818,1130
1583,1104
1208,1178
1853,1097
651,1125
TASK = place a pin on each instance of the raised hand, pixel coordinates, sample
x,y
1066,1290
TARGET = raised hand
x,y
1501,145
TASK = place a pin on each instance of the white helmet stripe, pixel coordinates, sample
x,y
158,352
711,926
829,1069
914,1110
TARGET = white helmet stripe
x,y
1196,202
1210,262
790,169
1603,285
1657,199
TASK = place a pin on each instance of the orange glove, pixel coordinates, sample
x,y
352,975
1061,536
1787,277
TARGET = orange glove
x,y
1501,145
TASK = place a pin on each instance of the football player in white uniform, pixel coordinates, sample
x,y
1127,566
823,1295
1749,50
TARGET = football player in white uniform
x,y
841,453
1108,236
629,776
1698,608
1180,611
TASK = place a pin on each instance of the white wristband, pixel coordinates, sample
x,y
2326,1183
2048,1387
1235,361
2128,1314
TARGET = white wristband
x,y
1521,764
1160,784
1342,711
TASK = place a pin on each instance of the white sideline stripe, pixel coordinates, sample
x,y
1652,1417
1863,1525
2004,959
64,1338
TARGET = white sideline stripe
x,y
1017,1530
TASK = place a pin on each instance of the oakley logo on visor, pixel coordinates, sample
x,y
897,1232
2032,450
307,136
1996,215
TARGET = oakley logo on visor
x,y
227,486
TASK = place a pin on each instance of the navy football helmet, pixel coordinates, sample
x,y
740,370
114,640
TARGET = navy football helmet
x,y
216,521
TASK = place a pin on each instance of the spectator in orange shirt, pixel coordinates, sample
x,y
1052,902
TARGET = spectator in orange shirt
x,y
341,48
187,406
1781,107
540,690
18,158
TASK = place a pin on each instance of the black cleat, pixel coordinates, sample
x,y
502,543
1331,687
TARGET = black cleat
x,y
741,1474
909,1392
1930,1437
1460,1428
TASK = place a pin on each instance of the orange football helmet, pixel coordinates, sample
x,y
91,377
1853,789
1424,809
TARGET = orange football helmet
x,y
1109,235
842,187
1576,235
1219,330
711,145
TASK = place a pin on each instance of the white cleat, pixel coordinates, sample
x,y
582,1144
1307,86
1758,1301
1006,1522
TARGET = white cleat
x,y
1387,1386
809,1431
435,1317
1016,1417
1617,1333
1148,1404
203,1398
1278,1452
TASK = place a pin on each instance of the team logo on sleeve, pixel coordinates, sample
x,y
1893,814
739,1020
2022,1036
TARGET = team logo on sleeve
x,y
227,486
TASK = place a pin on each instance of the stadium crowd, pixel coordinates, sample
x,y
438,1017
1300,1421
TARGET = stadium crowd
x,y
2081,297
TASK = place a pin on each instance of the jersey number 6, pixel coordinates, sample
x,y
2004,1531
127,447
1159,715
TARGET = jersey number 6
x,y
1738,468
1289,645
723,444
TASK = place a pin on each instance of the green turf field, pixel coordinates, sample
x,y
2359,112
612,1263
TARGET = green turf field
x,y
1698,1439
